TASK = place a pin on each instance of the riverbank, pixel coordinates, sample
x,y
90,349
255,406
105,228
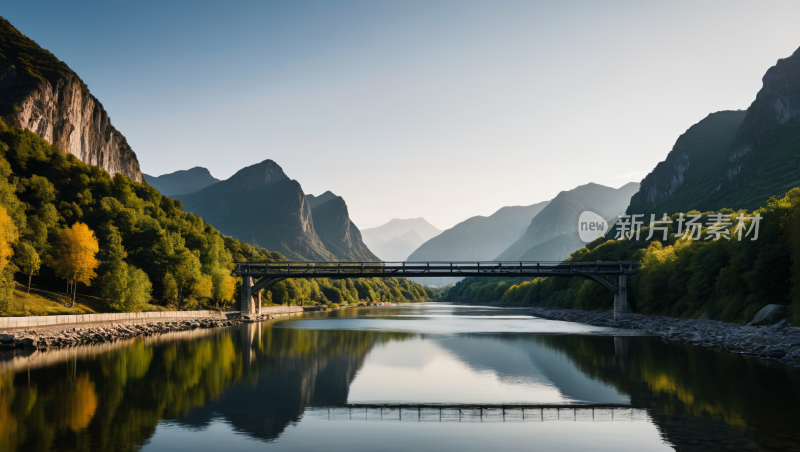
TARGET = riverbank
x,y
92,333
778,342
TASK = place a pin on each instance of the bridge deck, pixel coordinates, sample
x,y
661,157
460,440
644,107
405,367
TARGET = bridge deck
x,y
431,269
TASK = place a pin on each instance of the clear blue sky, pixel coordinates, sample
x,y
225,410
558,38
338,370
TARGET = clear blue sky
x,y
439,109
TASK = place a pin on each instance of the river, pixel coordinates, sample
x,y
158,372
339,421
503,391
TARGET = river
x,y
414,377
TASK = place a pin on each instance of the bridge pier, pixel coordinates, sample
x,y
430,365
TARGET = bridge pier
x,y
621,298
251,300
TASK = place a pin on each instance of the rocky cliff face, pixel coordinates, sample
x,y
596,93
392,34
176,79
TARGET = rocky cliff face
x,y
733,159
693,166
41,94
776,104
339,235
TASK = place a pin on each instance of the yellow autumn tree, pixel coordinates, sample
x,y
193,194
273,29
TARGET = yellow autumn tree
x,y
73,256
8,236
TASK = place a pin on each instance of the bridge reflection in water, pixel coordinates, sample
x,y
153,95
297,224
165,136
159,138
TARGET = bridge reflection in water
x,y
480,413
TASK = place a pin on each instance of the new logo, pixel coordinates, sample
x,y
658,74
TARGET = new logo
x,y
591,226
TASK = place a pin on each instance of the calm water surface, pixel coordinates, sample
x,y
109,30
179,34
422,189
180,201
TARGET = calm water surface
x,y
351,380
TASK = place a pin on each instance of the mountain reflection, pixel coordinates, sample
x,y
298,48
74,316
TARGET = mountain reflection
x,y
259,380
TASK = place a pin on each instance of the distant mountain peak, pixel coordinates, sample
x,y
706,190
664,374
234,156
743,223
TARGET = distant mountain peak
x,y
182,182
315,201
412,236
399,237
479,237
258,175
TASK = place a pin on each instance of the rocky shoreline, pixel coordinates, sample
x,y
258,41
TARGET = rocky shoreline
x,y
779,342
89,334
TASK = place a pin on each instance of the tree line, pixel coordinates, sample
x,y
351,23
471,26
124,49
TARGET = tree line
x,y
120,240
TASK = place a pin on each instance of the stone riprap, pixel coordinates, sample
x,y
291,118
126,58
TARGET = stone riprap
x,y
779,342
108,332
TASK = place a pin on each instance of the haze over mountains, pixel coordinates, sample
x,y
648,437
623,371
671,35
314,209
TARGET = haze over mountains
x,y
397,239
479,237
553,233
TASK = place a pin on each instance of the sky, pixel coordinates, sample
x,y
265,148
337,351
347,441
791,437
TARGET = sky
x,y
436,109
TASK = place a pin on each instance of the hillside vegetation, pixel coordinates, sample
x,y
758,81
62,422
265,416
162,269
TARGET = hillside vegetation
x,y
69,224
733,159
726,279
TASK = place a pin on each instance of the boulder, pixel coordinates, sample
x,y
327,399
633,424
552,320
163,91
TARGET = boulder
x,y
26,342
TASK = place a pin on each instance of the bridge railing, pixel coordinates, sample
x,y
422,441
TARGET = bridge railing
x,y
434,268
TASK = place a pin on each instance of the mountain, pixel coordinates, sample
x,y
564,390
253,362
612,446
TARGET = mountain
x,y
479,237
400,226
333,226
314,201
733,159
182,182
397,248
691,171
40,93
397,239
560,217
262,206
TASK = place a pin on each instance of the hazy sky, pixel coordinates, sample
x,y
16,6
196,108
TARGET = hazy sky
x,y
438,109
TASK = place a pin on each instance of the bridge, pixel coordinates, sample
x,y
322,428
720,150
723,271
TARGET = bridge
x,y
261,275
480,412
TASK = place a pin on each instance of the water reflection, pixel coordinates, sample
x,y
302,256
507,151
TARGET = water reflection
x,y
470,368
274,383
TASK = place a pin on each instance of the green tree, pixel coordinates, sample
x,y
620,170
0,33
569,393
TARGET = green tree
x,y
124,287
27,259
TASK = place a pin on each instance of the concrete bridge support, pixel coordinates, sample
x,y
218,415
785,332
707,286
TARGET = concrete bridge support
x,y
621,298
251,299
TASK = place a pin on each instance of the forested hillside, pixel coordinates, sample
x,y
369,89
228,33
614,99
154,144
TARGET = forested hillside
x,y
733,159
72,225
726,279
